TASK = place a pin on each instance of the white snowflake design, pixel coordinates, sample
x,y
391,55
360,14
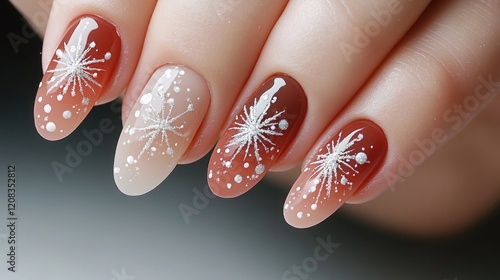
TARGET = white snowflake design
x,y
162,123
336,161
254,130
77,69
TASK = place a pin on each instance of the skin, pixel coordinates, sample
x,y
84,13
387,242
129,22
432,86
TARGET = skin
x,y
430,59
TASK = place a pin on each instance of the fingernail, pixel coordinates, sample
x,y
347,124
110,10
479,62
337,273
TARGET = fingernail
x,y
258,135
335,173
79,70
160,128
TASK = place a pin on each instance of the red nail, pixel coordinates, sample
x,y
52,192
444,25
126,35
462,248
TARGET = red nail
x,y
257,136
80,69
335,173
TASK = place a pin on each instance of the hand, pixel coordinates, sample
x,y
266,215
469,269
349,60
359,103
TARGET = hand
x,y
359,90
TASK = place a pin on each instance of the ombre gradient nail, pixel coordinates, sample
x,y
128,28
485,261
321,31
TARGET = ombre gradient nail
x,y
338,169
160,128
257,136
79,71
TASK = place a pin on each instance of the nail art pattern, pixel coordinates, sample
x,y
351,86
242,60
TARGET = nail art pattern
x,y
338,161
162,122
253,128
160,127
257,136
154,122
76,75
76,69
335,173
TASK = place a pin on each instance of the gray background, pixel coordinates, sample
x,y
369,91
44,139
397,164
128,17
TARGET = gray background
x,y
83,228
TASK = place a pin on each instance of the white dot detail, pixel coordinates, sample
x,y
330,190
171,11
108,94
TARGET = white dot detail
x,y
300,215
343,181
361,158
283,125
146,98
51,127
116,170
107,56
59,97
130,159
66,114
162,89
259,169
40,99
238,179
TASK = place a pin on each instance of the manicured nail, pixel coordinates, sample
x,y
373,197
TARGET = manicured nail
x,y
80,69
341,167
259,133
160,128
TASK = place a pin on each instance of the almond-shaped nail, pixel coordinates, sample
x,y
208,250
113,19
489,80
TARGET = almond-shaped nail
x,y
257,136
338,169
160,128
80,69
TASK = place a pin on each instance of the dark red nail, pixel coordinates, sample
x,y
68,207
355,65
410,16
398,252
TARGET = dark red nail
x,y
258,135
337,170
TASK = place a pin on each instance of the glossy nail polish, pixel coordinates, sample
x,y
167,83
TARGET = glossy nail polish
x,y
160,128
80,69
257,135
337,170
